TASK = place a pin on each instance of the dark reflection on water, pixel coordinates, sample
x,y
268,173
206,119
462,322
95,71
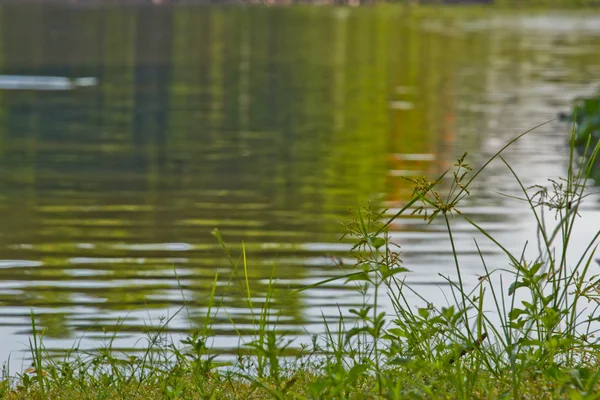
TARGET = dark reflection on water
x,y
269,124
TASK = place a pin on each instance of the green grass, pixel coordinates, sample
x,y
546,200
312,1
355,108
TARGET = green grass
x,y
527,330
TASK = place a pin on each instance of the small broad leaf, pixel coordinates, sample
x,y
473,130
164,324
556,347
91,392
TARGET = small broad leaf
x,y
514,286
546,300
517,324
400,361
363,276
566,343
550,317
362,313
384,269
393,271
557,374
552,343
448,312
377,242
529,342
516,312
535,268
398,332
528,305
355,331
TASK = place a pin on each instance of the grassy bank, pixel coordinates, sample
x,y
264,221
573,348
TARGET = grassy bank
x,y
526,330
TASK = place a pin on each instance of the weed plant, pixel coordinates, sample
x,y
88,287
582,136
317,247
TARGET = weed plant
x,y
526,330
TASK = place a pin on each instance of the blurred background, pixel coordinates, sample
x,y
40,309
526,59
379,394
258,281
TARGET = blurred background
x,y
128,132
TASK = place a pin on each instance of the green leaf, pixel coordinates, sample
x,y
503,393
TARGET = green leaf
x,y
398,332
363,276
384,269
555,373
517,324
566,343
535,268
355,331
424,313
393,271
550,317
546,300
529,342
528,305
377,242
362,313
516,312
514,286
448,312
551,343
400,361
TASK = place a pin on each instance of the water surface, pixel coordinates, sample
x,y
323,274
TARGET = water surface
x,y
271,125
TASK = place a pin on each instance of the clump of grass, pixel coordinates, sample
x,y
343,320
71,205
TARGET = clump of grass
x,y
526,330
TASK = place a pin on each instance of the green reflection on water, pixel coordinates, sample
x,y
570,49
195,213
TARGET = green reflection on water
x,y
267,123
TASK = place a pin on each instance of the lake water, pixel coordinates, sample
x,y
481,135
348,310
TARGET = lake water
x,y
273,125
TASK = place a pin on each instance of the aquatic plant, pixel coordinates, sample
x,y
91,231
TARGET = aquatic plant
x,y
585,119
586,116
